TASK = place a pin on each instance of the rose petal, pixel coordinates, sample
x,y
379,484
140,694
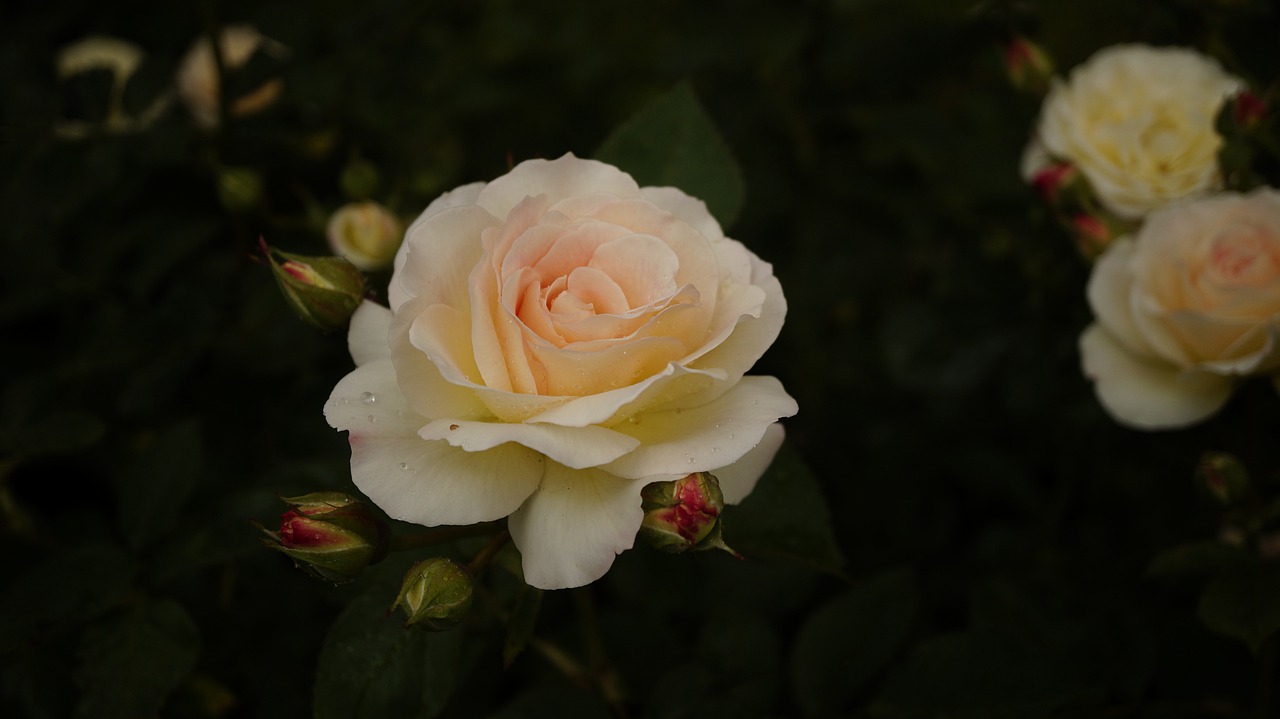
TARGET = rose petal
x,y
574,447
367,335
700,439
429,483
558,179
738,479
573,526
443,249
608,408
1147,394
1108,292
458,197
690,209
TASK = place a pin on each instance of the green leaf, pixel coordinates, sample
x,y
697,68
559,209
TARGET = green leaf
x,y
1196,558
131,663
371,666
673,142
71,585
1244,603
785,517
524,617
844,644
155,487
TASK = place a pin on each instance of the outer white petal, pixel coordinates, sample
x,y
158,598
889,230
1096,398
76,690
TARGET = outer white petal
x,y
570,530
416,480
574,447
465,195
703,438
1148,394
558,179
738,479
1110,295
367,335
690,209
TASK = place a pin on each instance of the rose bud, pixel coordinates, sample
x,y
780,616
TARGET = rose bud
x,y
1093,233
1054,181
436,594
239,189
366,234
1247,110
1224,476
684,514
324,291
1028,66
331,535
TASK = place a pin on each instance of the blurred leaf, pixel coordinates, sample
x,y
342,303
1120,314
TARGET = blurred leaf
x,y
132,662
785,517
155,487
75,584
1244,603
55,433
1196,558
554,702
524,617
976,675
845,643
673,142
372,667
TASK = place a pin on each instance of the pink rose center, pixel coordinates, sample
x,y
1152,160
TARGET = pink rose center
x,y
1244,255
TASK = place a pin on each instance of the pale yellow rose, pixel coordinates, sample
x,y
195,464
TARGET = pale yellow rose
x,y
556,340
1138,121
365,233
197,79
1186,308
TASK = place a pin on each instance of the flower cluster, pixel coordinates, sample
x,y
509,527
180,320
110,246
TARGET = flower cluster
x,y
1186,286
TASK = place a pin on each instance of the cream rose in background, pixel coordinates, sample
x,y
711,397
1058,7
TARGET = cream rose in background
x,y
1138,122
556,339
1185,308
366,233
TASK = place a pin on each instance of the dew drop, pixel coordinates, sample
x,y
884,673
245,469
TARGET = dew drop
x,y
453,426
368,398
404,465
691,460
371,418
715,449
732,435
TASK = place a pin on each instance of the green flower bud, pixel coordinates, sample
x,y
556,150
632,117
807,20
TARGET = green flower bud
x,y
331,535
239,189
324,291
1224,476
684,514
1029,67
436,594
360,179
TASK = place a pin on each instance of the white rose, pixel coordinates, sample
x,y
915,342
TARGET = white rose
x,y
1185,309
197,79
557,339
1139,123
365,233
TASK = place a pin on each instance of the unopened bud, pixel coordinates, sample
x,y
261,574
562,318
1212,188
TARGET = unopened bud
x,y
324,291
331,535
239,189
436,594
1093,233
366,234
360,178
684,514
1224,476
1054,181
1247,109
1028,66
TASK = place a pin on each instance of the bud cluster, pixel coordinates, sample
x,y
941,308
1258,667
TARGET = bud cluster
x,y
331,535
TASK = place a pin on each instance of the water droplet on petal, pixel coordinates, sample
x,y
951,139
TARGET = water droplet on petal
x,y
368,398
372,418
404,465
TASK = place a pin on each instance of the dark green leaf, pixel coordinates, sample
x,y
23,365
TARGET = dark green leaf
x,y
131,663
524,616
1196,558
1244,603
673,142
155,487
75,584
785,517
844,644
371,666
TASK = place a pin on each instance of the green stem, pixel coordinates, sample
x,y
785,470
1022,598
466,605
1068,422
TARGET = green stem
x,y
439,536
481,560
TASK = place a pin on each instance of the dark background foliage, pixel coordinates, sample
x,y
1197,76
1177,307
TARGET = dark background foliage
x,y
995,525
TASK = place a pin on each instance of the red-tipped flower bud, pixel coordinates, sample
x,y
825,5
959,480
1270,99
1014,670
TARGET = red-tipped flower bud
x,y
1055,180
684,514
436,594
1224,476
1029,67
330,534
1247,109
1093,233
324,291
